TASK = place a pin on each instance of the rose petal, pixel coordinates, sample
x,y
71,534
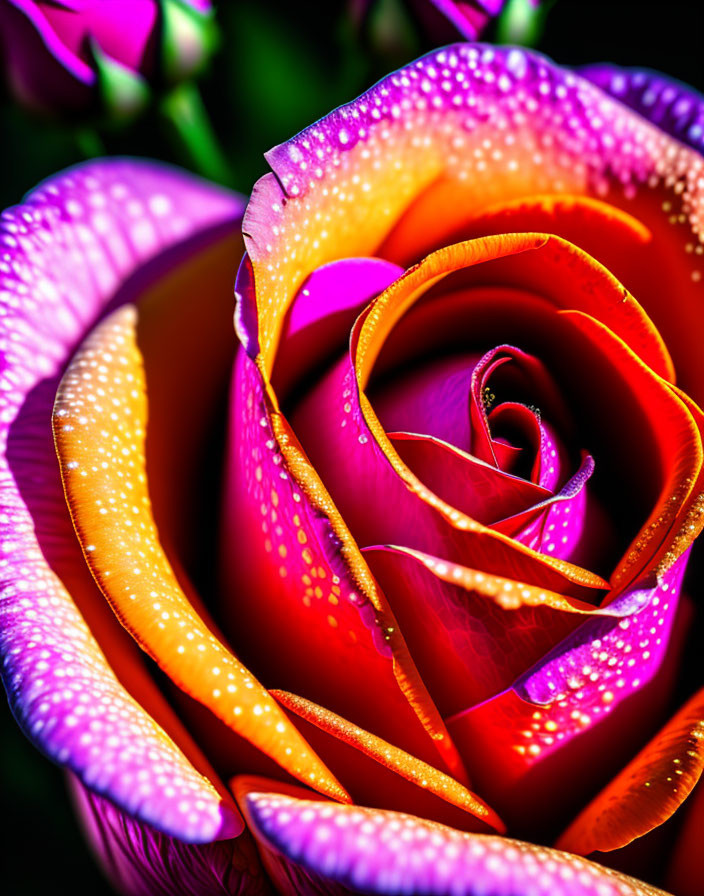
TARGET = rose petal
x,y
392,758
600,300
318,606
301,556
100,431
680,425
488,629
567,697
648,791
674,107
686,867
360,168
312,847
344,431
457,94
557,524
138,860
321,316
474,487
58,273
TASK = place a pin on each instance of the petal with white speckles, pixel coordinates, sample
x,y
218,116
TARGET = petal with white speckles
x,y
312,847
64,254
588,703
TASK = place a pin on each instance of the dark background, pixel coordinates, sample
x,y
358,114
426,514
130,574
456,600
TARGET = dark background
x,y
281,66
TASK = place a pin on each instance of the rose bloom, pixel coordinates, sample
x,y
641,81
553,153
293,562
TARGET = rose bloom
x,y
436,640
76,55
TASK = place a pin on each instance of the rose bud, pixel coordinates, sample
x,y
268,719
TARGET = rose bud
x,y
88,56
463,477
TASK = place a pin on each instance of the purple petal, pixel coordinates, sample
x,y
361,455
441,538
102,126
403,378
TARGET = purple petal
x,y
667,103
63,255
139,860
315,848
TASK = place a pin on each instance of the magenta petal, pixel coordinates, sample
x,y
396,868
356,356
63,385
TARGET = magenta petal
x,y
674,107
139,860
323,312
314,848
64,254
41,70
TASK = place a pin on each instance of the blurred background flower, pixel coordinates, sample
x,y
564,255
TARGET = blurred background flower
x,y
78,83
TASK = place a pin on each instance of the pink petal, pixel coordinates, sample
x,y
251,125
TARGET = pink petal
x,y
312,847
321,316
314,605
65,253
667,103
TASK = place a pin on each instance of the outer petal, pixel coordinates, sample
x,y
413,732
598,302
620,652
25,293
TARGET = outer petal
x,y
315,847
648,791
138,860
667,103
485,126
100,431
64,254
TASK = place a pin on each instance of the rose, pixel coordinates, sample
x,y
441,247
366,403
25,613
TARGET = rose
x,y
358,183
76,57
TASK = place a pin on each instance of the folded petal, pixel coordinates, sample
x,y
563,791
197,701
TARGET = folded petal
x,y
383,789
100,423
139,860
648,791
317,606
487,628
321,316
314,847
65,252
686,866
528,740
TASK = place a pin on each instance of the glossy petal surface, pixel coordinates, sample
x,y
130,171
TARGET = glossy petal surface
x,y
65,252
554,715
667,103
391,757
311,577
379,852
100,430
648,791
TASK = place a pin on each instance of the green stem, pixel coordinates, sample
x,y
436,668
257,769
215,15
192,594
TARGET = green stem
x,y
89,143
184,110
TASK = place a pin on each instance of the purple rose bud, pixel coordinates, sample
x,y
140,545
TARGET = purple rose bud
x,y
83,56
